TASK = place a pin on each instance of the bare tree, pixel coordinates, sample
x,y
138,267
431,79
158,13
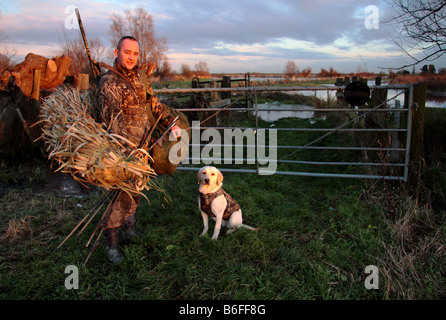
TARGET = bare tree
x,y
186,71
306,72
165,71
73,47
5,60
139,24
291,70
332,72
202,69
421,25
5,56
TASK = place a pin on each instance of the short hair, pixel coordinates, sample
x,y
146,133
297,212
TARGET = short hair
x,y
125,38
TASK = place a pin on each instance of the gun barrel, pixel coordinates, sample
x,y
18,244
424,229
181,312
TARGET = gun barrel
x,y
93,65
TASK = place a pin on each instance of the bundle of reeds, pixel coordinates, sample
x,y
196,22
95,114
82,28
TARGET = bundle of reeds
x,y
87,150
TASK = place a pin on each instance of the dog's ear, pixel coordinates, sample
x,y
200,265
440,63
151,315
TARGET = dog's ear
x,y
199,175
219,177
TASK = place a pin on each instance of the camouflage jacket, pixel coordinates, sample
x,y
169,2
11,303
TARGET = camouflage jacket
x,y
207,199
121,104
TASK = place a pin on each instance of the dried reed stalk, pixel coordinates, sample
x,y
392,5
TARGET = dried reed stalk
x,y
87,150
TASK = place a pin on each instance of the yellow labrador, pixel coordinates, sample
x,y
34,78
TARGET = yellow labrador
x,y
216,203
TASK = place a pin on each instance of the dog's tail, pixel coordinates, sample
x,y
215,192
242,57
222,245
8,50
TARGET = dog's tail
x,y
249,228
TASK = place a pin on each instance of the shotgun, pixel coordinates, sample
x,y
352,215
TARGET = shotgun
x,y
93,64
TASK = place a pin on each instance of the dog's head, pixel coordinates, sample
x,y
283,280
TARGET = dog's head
x,y
210,179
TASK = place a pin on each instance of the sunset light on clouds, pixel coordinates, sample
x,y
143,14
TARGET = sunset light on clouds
x,y
230,36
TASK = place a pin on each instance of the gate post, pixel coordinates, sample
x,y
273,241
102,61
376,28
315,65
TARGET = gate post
x,y
249,95
226,83
417,136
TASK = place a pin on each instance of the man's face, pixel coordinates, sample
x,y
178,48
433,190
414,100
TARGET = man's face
x,y
127,54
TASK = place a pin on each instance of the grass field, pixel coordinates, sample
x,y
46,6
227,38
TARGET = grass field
x,y
317,237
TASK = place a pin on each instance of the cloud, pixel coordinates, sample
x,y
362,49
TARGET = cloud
x,y
40,23
311,30
256,35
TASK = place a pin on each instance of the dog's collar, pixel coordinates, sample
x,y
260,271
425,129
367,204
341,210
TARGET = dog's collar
x,y
212,194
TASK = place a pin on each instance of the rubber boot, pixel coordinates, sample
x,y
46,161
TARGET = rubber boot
x,y
129,230
114,253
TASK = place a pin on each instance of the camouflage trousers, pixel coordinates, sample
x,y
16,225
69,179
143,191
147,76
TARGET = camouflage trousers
x,y
124,207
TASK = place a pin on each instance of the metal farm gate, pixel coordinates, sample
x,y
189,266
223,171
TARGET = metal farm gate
x,y
377,160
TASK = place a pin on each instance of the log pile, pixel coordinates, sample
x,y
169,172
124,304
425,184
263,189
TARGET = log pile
x,y
21,89
53,73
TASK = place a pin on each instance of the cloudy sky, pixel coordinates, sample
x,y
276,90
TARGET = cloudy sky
x,y
229,35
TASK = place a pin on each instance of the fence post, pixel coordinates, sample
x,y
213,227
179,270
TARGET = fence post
x,y
83,82
249,95
36,84
226,83
417,136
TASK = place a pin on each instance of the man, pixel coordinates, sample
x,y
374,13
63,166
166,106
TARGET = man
x,y
121,97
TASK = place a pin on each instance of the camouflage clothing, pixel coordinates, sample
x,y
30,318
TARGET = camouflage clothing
x,y
121,105
207,199
121,100
124,207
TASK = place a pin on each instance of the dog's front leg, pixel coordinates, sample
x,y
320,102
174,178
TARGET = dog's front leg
x,y
218,221
218,209
205,223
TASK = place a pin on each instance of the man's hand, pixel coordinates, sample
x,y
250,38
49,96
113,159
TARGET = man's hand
x,y
176,131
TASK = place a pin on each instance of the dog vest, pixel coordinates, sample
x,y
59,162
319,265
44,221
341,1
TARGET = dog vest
x,y
207,199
